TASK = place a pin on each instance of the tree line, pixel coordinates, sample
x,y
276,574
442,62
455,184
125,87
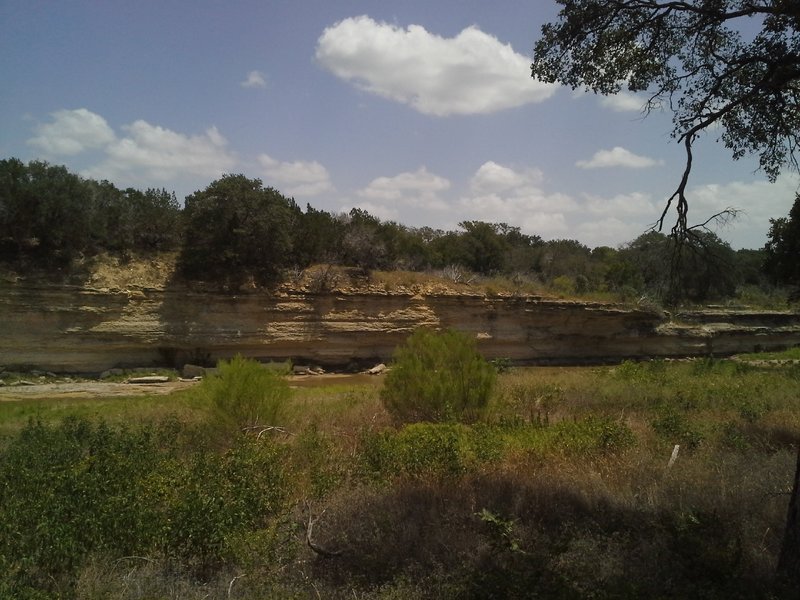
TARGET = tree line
x,y
237,229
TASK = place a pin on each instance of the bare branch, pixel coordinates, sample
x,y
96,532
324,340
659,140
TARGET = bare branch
x,y
230,585
324,552
262,429
722,218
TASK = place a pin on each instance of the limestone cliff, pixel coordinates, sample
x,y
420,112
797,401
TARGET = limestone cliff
x,y
82,329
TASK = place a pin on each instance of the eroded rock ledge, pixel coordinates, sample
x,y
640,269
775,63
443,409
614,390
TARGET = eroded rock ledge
x,y
83,330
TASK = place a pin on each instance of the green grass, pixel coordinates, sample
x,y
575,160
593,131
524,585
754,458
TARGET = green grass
x,y
15,414
790,354
563,488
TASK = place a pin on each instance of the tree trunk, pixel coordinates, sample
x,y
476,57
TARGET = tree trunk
x,y
789,561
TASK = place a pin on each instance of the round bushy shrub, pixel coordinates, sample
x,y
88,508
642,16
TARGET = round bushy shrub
x,y
438,377
244,396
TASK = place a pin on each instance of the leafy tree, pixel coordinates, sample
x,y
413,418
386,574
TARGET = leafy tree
x,y
522,251
485,247
235,229
155,218
111,220
783,247
728,63
16,215
317,237
406,247
45,212
751,267
699,269
362,245
438,377
563,257
446,248
52,215
644,264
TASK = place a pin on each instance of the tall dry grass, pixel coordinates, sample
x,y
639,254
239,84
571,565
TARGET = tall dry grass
x,y
562,491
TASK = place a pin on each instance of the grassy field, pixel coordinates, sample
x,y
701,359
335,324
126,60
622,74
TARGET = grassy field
x,y
565,490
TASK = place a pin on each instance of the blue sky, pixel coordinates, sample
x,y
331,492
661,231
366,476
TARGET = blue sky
x,y
420,112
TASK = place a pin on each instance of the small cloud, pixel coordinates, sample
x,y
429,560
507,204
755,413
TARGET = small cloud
x,y
298,178
255,79
623,102
419,189
492,177
503,194
617,157
633,205
383,212
759,201
151,152
72,132
471,73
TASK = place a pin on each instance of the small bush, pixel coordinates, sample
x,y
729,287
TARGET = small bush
x,y
78,491
428,449
438,377
244,396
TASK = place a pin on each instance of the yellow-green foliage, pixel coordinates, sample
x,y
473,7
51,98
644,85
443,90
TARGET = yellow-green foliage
x,y
244,396
562,488
438,376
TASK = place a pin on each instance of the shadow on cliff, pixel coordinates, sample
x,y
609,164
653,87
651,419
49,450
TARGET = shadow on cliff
x,y
186,313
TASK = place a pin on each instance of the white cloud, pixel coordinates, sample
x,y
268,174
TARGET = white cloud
x,y
635,204
617,157
255,79
418,189
383,212
298,178
468,74
72,132
153,153
608,231
501,194
758,201
515,196
492,177
623,102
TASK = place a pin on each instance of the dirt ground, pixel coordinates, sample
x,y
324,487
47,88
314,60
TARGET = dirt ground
x,y
103,389
88,389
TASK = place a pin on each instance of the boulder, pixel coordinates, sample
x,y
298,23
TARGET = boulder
x,y
111,373
190,371
149,379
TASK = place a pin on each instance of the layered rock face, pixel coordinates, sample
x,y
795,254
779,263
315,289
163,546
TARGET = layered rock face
x,y
84,330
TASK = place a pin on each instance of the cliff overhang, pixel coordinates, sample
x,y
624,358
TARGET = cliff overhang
x,y
81,329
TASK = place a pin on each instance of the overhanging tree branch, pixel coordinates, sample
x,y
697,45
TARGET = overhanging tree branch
x,y
693,54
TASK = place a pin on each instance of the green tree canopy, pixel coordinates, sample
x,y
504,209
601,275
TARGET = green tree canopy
x,y
731,63
235,229
699,269
45,211
783,247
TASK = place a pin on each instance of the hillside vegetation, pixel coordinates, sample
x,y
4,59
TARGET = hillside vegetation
x,y
237,232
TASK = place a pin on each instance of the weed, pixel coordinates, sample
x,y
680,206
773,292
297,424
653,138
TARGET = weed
x,y
438,377
244,397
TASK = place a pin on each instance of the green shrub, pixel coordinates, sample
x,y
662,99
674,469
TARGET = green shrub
x,y
78,490
207,500
243,396
675,427
438,377
429,449
593,436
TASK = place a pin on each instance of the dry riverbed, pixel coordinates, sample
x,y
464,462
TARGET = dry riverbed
x,y
104,389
